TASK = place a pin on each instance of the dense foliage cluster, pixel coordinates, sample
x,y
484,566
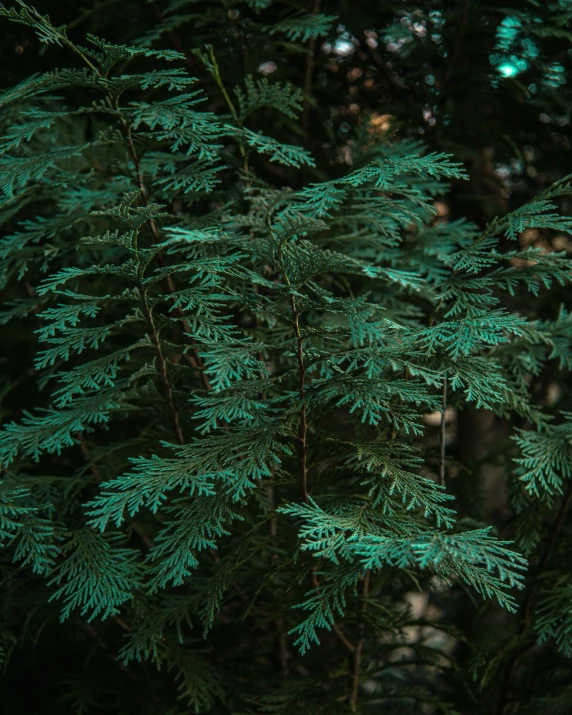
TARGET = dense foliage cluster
x,y
252,339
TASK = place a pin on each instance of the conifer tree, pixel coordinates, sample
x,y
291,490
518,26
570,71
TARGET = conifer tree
x,y
226,477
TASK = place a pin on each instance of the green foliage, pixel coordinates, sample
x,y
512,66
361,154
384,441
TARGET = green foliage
x,y
263,94
547,459
304,27
95,576
232,366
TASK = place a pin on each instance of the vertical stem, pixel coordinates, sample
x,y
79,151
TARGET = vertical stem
x,y
194,358
154,334
302,438
163,373
234,113
443,434
303,422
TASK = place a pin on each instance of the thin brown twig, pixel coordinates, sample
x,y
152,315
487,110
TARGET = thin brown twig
x,y
196,358
348,645
442,434
193,358
303,446
164,376
343,638
154,334
237,119
303,420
